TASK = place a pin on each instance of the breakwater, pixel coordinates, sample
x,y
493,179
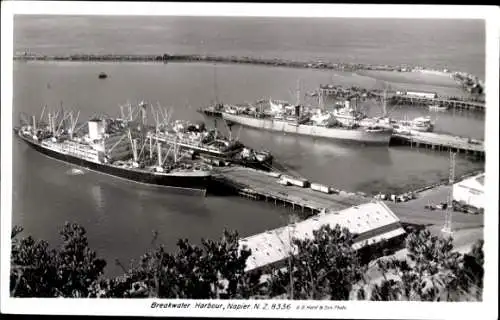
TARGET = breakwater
x,y
165,57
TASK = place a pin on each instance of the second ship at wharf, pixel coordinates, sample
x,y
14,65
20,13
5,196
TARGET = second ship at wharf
x,y
318,122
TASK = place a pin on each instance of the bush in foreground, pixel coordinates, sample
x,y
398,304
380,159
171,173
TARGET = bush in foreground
x,y
325,267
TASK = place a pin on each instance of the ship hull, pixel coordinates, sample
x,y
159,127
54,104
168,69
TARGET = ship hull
x,y
339,134
196,183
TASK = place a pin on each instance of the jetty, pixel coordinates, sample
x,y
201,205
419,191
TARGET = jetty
x,y
263,186
441,142
449,102
423,99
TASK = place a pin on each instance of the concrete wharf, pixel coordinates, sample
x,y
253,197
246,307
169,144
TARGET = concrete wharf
x,y
441,142
443,101
259,185
450,102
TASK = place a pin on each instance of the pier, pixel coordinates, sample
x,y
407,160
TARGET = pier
x,y
443,101
262,186
402,99
441,142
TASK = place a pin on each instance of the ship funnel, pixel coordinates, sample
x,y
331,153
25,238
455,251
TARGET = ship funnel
x,y
96,129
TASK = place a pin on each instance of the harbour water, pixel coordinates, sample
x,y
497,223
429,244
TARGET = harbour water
x,y
121,216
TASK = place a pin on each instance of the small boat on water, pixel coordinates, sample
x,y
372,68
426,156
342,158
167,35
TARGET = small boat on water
x,y
103,75
438,107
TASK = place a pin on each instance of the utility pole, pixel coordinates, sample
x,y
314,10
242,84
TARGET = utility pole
x,y
447,228
291,224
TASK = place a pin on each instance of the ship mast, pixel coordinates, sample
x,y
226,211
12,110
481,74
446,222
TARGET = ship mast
x,y
150,148
133,142
34,124
50,123
175,150
384,103
130,117
71,125
298,92
143,113
321,101
215,86
41,115
158,143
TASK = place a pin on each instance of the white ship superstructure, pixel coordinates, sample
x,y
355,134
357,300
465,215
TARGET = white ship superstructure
x,y
347,115
422,124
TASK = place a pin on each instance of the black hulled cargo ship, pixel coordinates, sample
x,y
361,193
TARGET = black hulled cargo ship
x,y
118,148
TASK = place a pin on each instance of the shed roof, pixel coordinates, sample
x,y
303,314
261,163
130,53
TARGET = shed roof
x,y
475,182
371,221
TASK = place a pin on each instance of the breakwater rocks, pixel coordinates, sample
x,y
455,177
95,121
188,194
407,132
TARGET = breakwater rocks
x,y
203,58
317,64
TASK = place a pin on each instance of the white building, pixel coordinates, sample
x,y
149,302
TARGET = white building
x,y
372,222
470,191
428,95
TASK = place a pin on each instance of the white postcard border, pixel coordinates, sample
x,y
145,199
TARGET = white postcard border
x,y
375,310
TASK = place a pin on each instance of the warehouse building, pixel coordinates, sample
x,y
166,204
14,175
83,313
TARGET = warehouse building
x,y
373,223
419,94
470,192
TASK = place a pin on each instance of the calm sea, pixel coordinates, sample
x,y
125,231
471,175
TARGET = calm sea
x,y
121,216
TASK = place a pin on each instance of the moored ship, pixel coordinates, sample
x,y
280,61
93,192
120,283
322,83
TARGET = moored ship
x,y
211,145
118,148
341,125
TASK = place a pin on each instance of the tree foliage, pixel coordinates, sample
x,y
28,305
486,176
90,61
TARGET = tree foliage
x,y
38,271
214,270
325,266
322,267
431,272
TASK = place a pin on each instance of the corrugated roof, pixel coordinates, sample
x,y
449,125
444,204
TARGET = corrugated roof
x,y
474,182
480,179
374,219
